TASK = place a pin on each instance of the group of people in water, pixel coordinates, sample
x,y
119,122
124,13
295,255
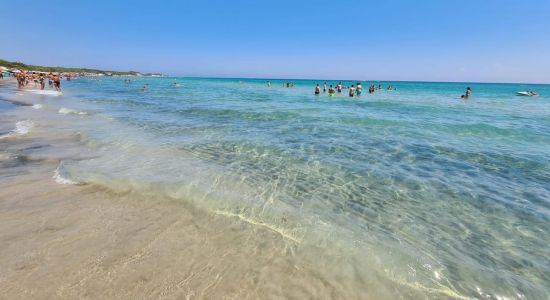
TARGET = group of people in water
x,y
353,90
39,79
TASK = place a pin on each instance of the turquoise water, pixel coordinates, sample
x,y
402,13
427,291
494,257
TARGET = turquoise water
x,y
437,194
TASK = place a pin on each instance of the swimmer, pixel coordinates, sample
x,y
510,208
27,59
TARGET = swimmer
x,y
339,87
352,91
359,89
325,87
269,84
331,91
467,94
317,90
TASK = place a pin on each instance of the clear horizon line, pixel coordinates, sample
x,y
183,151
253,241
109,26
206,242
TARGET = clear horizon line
x,y
362,80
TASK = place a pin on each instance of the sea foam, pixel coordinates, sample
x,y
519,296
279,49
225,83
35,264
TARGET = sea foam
x,y
68,111
59,177
21,128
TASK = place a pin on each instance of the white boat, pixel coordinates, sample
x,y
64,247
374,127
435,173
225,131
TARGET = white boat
x,y
528,94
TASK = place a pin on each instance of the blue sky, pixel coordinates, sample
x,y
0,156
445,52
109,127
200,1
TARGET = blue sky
x,y
437,40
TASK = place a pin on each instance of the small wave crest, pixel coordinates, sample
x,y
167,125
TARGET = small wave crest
x,y
68,111
21,128
60,177
46,92
38,106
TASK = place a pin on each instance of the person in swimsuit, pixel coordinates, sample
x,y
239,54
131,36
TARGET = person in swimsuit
x,y
35,79
331,91
317,90
269,84
325,87
42,81
359,88
339,87
57,82
468,93
352,91
20,79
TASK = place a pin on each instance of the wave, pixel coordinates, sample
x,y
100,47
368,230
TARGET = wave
x,y
68,111
61,178
21,128
38,106
46,92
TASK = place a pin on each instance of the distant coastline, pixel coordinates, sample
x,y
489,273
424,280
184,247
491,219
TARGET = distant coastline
x,y
83,71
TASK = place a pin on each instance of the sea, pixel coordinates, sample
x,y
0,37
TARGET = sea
x,y
414,189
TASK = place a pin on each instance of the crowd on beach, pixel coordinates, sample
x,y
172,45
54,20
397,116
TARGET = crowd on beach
x,y
37,79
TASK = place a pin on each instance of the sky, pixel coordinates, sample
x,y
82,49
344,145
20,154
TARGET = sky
x,y
422,40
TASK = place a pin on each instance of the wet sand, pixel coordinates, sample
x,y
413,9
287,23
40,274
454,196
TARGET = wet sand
x,y
82,242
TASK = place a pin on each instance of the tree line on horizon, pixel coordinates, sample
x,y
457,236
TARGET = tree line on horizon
x,y
20,65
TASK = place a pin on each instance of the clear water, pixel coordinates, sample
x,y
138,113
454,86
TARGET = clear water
x,y
448,197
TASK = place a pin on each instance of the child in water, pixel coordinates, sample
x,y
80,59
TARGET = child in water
x,y
331,91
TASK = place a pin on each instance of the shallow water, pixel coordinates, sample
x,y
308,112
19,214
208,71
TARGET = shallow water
x,y
413,189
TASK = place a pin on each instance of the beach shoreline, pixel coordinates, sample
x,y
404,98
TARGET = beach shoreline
x,y
113,192
64,241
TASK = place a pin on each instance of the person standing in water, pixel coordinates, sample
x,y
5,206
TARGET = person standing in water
x,y
468,93
359,89
50,79
352,91
331,91
317,90
325,87
20,79
269,84
57,82
339,87
42,81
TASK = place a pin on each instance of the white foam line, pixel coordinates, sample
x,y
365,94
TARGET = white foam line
x,y
21,128
259,223
62,180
